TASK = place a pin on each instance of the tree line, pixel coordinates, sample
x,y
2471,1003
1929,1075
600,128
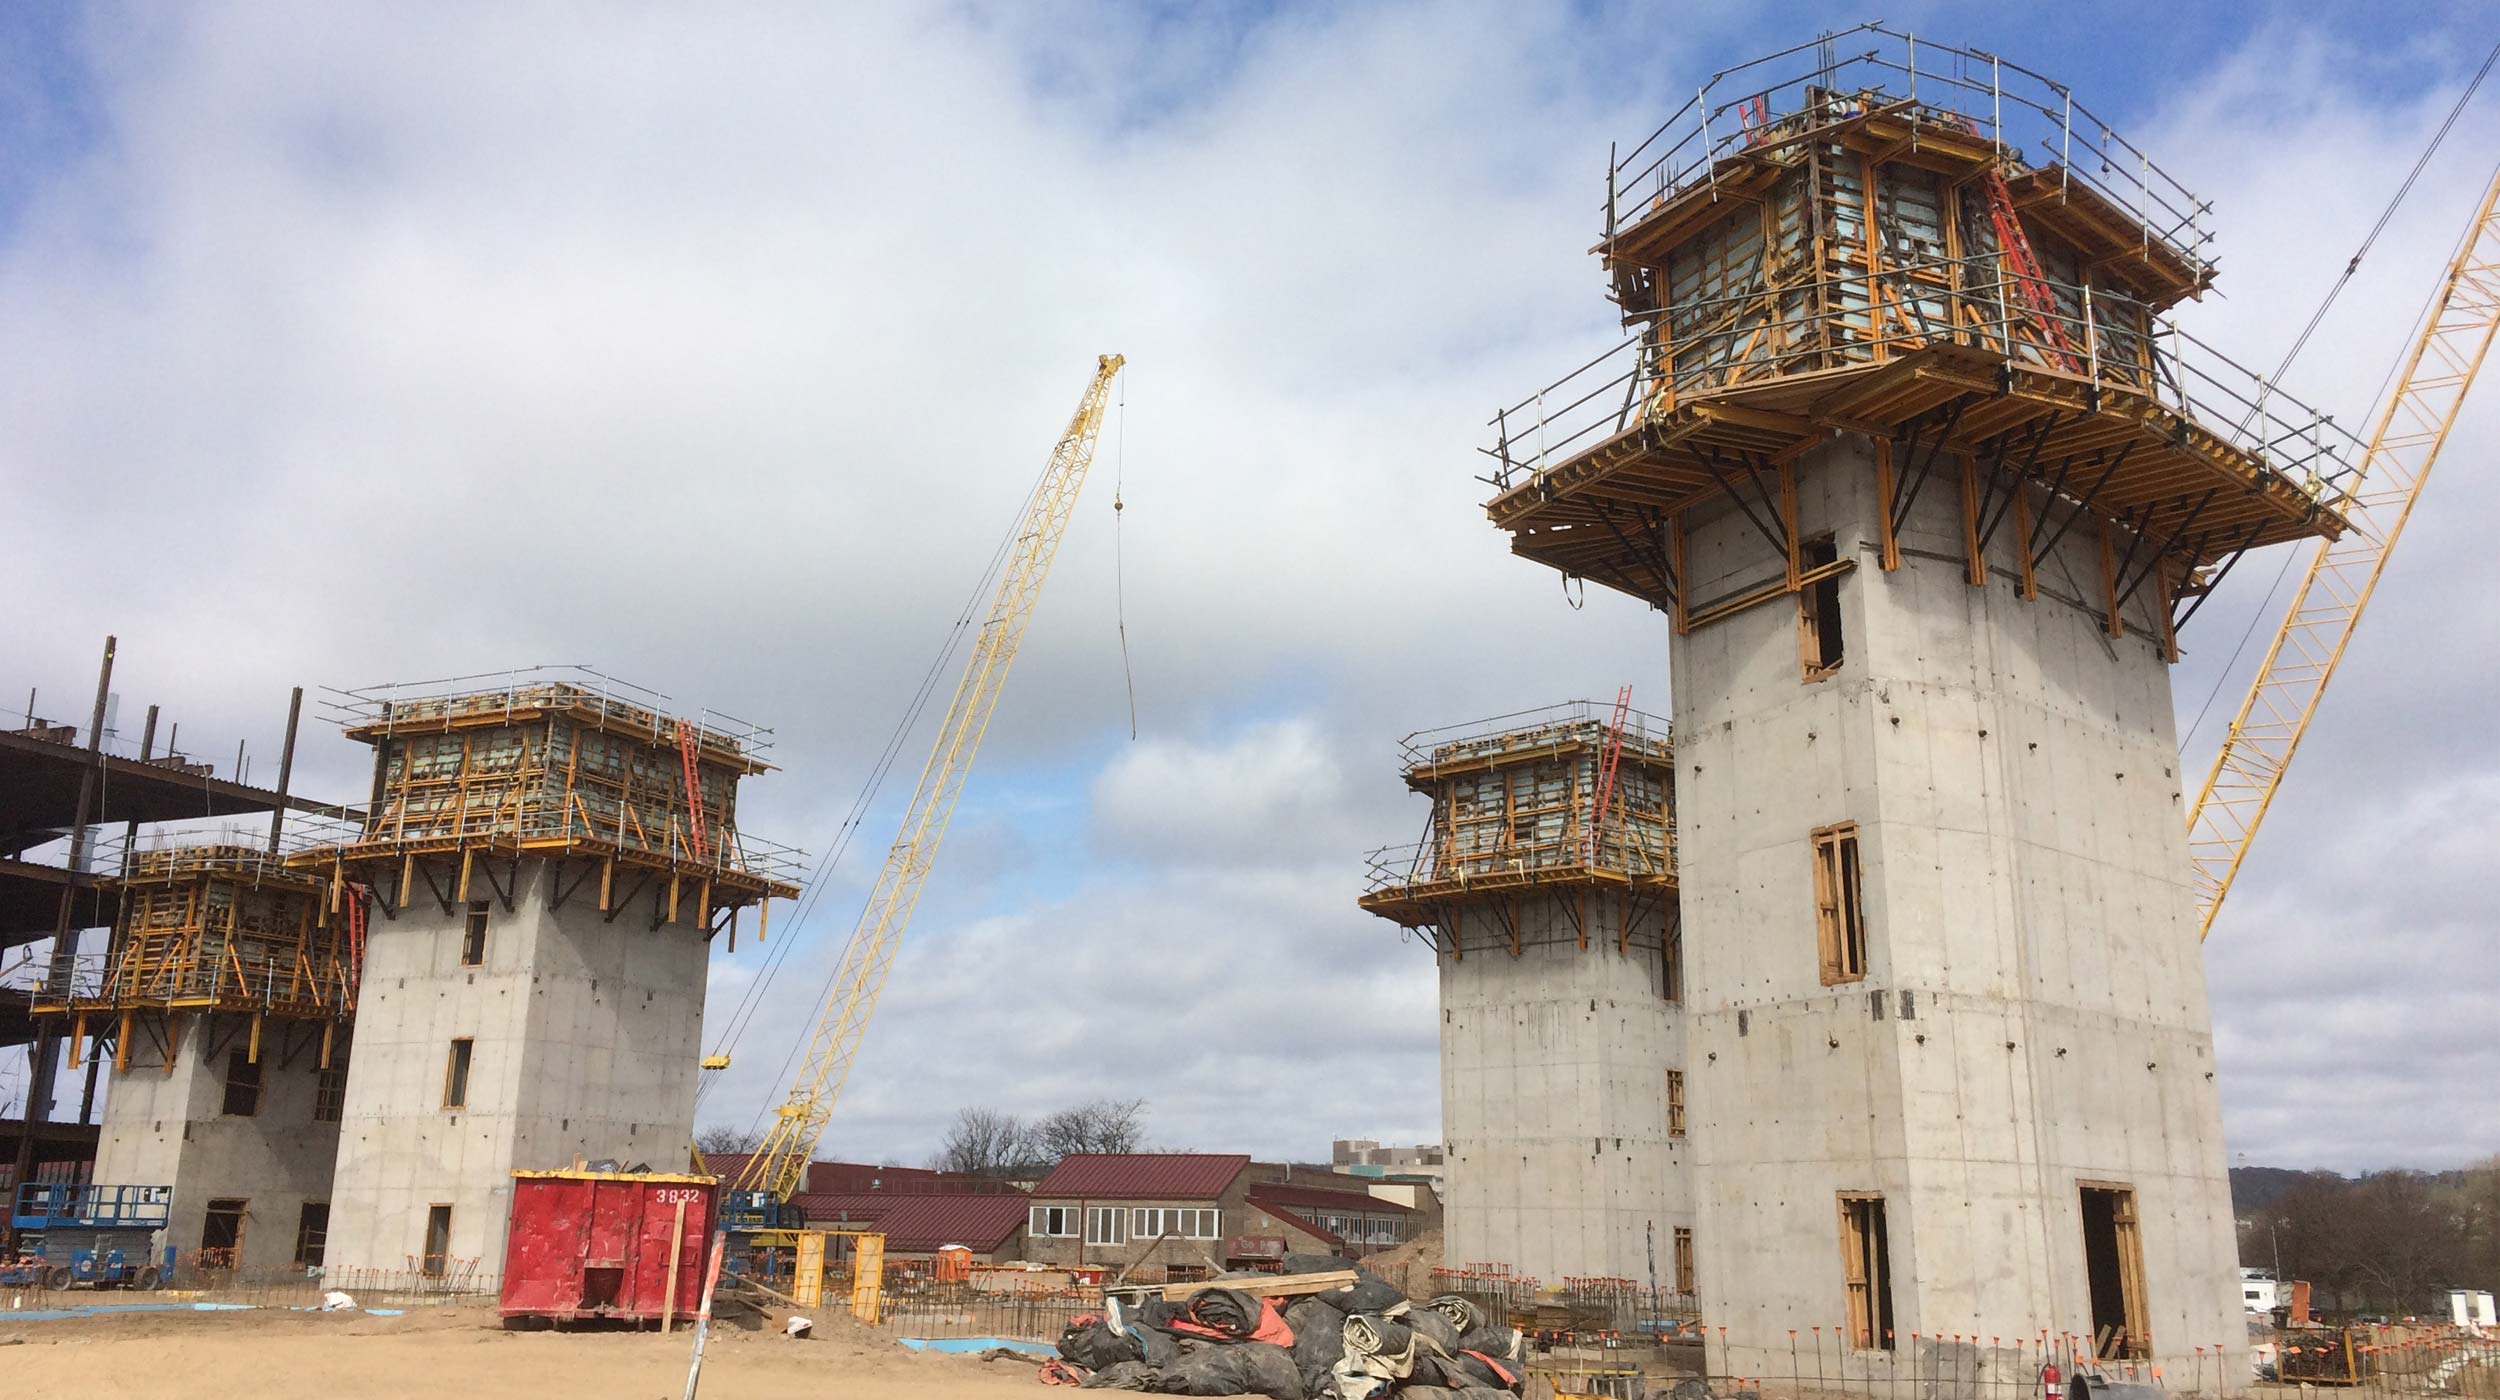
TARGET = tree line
x,y
994,1143
2391,1242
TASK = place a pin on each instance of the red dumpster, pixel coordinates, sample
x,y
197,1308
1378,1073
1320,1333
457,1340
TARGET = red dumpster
x,y
607,1244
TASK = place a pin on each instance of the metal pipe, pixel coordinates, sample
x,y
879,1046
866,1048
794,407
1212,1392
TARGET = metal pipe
x,y
286,768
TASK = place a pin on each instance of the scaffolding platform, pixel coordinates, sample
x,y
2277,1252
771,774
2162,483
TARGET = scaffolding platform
x,y
562,763
1515,810
1942,254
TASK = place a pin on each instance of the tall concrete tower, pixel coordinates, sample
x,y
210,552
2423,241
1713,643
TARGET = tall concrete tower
x,y
1545,886
1904,443
225,997
542,871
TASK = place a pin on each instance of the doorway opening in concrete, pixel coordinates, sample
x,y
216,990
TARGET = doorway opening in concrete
x,y
2113,1263
1818,610
1866,1266
1684,1282
437,1239
221,1234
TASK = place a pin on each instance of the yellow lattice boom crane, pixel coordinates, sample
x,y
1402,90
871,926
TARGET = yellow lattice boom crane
x,y
779,1165
2345,570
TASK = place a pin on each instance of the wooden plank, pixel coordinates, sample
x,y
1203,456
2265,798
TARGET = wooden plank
x,y
1271,1286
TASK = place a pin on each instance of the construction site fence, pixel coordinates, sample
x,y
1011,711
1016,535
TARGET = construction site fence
x,y
201,1274
961,1310
1781,97
1765,333
2397,1359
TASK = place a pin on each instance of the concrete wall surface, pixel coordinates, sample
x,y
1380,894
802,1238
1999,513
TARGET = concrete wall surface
x,y
1553,1100
171,1129
2033,1013
585,1036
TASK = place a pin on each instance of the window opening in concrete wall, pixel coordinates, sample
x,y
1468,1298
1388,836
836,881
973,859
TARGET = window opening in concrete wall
x,y
1052,1222
437,1238
2113,1263
1683,1259
1106,1225
1671,960
1866,1267
1839,905
312,1232
473,943
456,1074
330,1094
1675,1103
1818,610
242,1086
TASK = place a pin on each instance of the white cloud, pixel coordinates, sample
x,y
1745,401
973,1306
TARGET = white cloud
x,y
717,347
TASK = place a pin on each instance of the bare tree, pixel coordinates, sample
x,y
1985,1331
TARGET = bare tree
x,y
987,1142
1105,1125
725,1139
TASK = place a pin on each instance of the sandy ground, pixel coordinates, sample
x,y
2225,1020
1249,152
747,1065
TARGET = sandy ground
x,y
464,1353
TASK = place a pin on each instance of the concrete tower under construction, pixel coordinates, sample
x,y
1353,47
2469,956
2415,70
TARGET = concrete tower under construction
x,y
1545,886
1903,443
543,867
226,998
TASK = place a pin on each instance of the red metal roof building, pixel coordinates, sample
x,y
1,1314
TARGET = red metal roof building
x,y
991,1226
847,1178
1159,1176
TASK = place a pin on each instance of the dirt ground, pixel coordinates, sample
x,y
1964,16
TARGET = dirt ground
x,y
465,1354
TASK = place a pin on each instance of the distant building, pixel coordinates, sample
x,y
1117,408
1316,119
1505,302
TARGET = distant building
x,y
861,1178
2259,1292
1426,1163
918,1226
1195,1213
1363,1152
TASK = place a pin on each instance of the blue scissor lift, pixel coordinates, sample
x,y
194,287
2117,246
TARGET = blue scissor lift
x,y
100,1236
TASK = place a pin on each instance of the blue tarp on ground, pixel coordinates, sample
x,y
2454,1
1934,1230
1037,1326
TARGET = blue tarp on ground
x,y
976,1344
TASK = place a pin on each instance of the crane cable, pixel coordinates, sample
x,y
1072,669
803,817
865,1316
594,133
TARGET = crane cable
x,y
742,1017
1119,560
2265,608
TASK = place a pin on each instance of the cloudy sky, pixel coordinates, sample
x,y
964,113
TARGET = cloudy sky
x,y
348,344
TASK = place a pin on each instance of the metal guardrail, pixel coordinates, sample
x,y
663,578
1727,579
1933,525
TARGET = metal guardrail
x,y
1521,728
1784,95
1427,861
1776,332
418,702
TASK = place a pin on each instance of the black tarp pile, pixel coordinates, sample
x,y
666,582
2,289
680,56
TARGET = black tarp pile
x,y
1365,1341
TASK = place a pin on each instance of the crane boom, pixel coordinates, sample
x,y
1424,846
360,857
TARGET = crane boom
x,y
779,1164
2344,571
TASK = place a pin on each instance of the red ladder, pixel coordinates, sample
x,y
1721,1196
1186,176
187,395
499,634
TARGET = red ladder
x,y
1607,762
1754,114
356,895
2022,266
687,744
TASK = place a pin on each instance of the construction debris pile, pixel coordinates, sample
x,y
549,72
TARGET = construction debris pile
x,y
1341,1333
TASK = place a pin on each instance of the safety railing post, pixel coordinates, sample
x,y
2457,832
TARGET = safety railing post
x,y
2091,337
2065,145
1540,436
1701,104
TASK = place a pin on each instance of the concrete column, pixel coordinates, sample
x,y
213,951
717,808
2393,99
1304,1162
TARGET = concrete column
x,y
2032,1017
584,1037
1553,1101
171,1129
